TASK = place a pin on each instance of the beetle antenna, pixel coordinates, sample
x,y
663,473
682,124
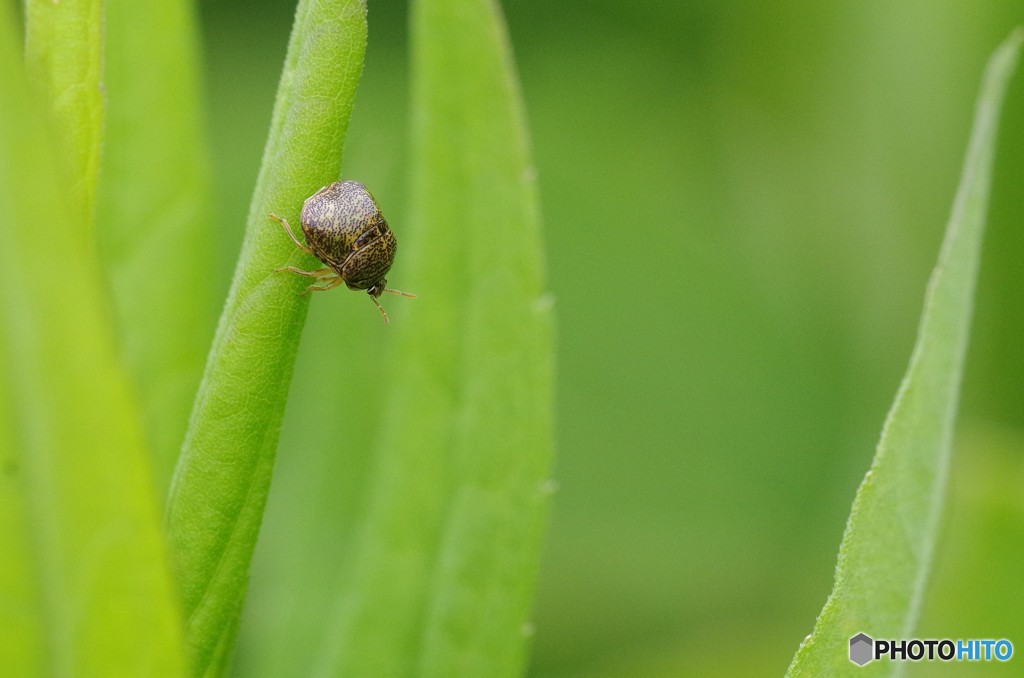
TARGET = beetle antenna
x,y
380,308
404,294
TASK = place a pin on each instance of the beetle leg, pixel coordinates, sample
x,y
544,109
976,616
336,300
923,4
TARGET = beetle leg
x,y
329,283
324,272
291,234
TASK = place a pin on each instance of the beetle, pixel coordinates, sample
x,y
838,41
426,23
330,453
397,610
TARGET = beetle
x,y
346,231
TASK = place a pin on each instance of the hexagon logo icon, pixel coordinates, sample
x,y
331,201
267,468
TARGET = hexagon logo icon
x,y
861,649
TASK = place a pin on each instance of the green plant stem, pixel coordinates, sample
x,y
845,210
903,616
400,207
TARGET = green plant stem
x,y
221,482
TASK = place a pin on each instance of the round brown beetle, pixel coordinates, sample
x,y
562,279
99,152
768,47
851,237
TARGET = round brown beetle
x,y
345,230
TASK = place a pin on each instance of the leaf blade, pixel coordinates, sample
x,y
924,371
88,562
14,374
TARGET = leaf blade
x,y
222,478
106,603
454,524
887,546
64,56
153,212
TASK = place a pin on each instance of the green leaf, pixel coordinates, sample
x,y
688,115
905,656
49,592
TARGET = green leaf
x,y
21,619
887,548
153,214
221,482
444,570
84,536
64,55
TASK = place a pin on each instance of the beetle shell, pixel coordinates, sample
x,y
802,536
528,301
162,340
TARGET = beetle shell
x,y
345,229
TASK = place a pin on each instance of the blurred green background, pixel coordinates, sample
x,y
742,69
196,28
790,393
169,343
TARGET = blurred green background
x,y
742,203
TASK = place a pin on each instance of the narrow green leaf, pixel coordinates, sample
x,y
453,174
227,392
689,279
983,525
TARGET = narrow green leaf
x,y
887,549
64,54
153,214
448,551
221,482
21,621
78,466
